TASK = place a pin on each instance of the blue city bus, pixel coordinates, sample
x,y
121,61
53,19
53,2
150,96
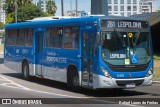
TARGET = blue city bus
x,y
92,52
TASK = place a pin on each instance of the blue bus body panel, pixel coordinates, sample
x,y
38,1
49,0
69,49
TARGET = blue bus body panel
x,y
60,58
9,53
125,75
17,53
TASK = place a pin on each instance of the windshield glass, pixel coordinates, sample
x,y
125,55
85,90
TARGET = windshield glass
x,y
125,48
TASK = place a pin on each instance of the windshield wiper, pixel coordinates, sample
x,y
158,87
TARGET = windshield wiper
x,y
119,36
135,42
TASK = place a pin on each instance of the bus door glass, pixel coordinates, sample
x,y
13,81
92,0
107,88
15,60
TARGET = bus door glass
x,y
39,52
87,61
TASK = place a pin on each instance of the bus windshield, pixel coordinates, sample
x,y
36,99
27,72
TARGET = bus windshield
x,y
126,48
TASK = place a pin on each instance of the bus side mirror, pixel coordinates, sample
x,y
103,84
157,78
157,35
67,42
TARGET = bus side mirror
x,y
97,43
98,38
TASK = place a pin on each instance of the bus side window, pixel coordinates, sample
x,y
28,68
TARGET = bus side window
x,y
11,36
29,37
85,43
54,37
71,37
20,37
75,36
67,39
60,37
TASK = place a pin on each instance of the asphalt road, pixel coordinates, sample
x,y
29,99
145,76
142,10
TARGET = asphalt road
x,y
13,86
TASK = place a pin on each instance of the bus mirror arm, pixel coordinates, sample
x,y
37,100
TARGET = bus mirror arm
x,y
34,52
98,49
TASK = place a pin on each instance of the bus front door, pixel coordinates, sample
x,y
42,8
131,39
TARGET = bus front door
x,y
87,61
38,53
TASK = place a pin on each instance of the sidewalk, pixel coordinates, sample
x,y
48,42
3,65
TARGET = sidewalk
x,y
1,49
156,82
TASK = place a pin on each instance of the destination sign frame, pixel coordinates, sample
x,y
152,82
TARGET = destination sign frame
x,y
124,24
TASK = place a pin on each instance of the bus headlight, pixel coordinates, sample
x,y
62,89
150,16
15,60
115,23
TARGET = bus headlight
x,y
150,72
106,73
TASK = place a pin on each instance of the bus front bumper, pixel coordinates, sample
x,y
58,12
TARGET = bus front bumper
x,y
104,82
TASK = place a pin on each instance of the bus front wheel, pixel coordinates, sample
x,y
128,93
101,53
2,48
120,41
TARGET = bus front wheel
x,y
25,71
74,81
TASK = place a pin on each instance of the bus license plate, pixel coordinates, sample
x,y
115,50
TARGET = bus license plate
x,y
130,85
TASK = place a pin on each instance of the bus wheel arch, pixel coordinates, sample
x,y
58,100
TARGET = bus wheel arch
x,y
25,69
73,77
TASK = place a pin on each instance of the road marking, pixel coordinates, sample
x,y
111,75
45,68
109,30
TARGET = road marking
x,y
3,80
9,85
12,84
44,92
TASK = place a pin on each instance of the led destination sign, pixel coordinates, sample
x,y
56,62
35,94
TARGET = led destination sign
x,y
124,24
129,24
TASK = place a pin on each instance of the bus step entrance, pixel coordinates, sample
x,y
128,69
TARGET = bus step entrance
x,y
38,76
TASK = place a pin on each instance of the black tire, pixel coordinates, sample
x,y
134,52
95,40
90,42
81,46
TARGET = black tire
x,y
74,81
25,71
118,89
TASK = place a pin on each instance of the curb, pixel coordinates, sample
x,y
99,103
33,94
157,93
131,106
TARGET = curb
x,y
156,82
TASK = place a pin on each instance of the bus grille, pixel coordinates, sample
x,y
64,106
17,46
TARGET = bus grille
x,y
123,83
128,68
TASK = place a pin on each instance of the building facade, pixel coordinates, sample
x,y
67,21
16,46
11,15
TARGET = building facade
x,y
2,12
42,4
148,6
99,7
130,7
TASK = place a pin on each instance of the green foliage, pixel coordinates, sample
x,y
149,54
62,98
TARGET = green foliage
x,y
1,24
1,34
11,4
9,18
1,27
51,7
49,14
21,3
28,12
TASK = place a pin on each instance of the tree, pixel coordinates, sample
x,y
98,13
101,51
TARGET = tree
x,y
28,12
51,7
23,2
9,18
1,24
10,5
1,5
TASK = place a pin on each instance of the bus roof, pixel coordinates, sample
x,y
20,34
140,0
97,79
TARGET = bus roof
x,y
122,18
67,21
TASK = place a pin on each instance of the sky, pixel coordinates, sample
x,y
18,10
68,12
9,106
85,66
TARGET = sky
x,y
159,3
82,5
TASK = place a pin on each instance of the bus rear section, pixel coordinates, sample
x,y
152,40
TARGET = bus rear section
x,y
125,57
18,47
